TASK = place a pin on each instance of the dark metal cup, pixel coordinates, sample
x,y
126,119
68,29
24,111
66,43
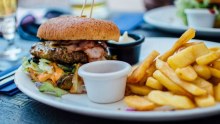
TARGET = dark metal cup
x,y
128,52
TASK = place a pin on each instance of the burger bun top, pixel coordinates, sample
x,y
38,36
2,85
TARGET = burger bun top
x,y
78,28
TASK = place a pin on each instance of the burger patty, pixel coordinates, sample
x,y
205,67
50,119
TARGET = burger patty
x,y
69,52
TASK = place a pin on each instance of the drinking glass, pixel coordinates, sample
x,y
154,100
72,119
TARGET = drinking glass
x,y
8,30
100,9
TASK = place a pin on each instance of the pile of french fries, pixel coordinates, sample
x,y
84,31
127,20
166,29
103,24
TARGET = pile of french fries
x,y
185,77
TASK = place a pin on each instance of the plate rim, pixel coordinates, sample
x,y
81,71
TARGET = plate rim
x,y
120,115
180,28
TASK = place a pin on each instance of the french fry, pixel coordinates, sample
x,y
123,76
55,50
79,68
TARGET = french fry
x,y
144,79
182,58
186,73
132,69
139,73
169,72
214,48
188,55
186,76
203,71
216,65
170,85
200,49
208,58
185,45
139,103
139,90
217,92
154,84
151,70
215,72
167,98
185,37
202,83
205,101
188,35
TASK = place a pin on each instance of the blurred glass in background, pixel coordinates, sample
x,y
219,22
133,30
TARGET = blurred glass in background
x,y
8,51
8,18
8,30
100,8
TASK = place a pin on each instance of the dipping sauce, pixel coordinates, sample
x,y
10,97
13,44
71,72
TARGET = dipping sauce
x,y
123,39
128,48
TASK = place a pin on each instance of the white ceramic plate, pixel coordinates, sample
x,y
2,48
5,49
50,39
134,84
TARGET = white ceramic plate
x,y
165,18
81,104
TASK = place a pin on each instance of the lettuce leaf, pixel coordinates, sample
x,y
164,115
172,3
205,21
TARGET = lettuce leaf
x,y
26,64
47,87
42,66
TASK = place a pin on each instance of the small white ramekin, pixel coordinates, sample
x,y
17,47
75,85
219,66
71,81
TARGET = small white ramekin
x,y
199,18
105,81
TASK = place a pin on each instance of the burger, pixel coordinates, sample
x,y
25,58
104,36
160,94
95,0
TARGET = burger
x,y
212,5
67,43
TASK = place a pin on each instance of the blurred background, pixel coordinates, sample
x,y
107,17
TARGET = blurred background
x,y
20,19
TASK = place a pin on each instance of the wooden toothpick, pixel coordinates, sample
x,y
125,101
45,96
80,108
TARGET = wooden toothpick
x,y
92,4
83,7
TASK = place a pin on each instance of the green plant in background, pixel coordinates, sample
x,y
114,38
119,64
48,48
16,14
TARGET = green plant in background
x,y
189,4
217,23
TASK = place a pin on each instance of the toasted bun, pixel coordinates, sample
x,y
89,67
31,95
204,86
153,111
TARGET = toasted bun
x,y
78,28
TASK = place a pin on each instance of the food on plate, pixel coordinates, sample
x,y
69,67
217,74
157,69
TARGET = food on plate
x,y
154,84
139,72
68,42
205,101
215,72
140,103
139,90
208,58
185,37
212,5
217,92
169,84
204,84
202,70
170,73
166,98
216,64
186,73
185,77
191,53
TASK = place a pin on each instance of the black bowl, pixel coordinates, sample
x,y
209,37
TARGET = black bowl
x,y
128,52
